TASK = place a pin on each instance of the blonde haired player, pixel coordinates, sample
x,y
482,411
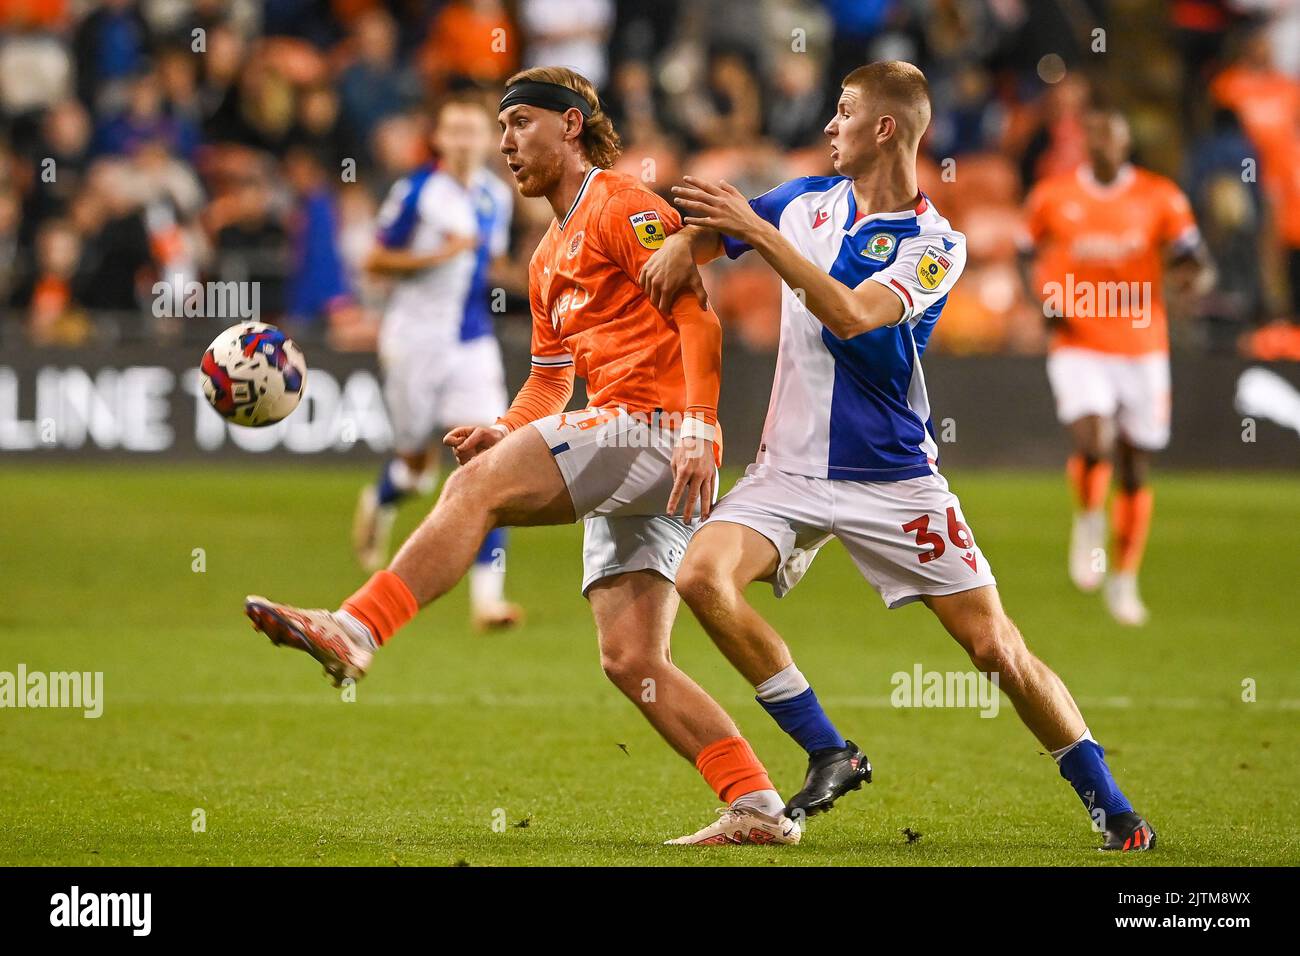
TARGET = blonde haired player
x,y
1099,238
643,450
848,449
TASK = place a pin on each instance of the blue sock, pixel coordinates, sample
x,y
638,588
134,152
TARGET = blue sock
x,y
494,547
803,719
389,493
1087,772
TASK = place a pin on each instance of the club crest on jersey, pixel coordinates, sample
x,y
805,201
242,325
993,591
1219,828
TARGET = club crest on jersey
x,y
649,229
575,244
880,246
934,265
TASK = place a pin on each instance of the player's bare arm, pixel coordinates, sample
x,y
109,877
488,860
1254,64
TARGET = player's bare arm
x,y
674,268
846,312
1192,272
403,262
1025,259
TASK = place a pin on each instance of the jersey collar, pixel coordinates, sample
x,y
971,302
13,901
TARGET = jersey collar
x,y
582,191
852,226
1123,177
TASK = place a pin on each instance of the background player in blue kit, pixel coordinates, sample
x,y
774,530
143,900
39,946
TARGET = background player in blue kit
x,y
441,227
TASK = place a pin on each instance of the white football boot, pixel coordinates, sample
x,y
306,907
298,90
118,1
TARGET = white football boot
x,y
324,635
1088,550
496,616
1123,601
372,529
742,825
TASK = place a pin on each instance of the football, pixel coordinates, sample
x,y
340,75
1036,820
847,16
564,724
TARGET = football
x,y
253,374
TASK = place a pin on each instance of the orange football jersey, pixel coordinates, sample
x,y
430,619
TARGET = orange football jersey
x,y
1268,105
1101,255
588,309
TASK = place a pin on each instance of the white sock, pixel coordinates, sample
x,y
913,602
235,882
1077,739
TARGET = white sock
x,y
783,685
358,631
487,586
768,802
1058,754
401,476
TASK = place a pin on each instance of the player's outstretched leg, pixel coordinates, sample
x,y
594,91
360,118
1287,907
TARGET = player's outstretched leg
x,y
978,623
515,483
1089,471
1132,521
634,614
722,560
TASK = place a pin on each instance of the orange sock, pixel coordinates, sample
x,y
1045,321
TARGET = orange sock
x,y
383,604
1089,482
1131,517
732,769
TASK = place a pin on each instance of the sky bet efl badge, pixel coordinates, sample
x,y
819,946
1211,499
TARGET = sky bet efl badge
x,y
649,229
934,265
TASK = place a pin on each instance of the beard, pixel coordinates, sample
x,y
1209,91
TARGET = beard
x,y
541,176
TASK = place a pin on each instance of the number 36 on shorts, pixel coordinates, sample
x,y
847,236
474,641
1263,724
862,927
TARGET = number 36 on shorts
x,y
933,543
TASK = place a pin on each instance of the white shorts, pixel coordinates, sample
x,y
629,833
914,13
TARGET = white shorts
x,y
618,470
428,388
908,538
1133,390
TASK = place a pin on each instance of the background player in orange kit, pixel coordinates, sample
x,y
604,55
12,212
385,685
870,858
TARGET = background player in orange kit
x,y
1101,236
644,449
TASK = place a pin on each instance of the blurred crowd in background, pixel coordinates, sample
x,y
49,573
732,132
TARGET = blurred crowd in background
x,y
168,141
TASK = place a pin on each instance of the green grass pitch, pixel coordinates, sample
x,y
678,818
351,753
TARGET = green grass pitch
x,y
453,732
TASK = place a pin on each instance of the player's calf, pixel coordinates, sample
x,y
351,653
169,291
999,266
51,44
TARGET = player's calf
x,y
719,563
976,620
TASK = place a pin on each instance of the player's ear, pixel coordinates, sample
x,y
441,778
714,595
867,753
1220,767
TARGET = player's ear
x,y
573,123
886,129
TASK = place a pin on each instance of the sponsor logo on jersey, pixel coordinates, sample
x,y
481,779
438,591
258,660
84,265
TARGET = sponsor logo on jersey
x,y
570,300
820,218
649,229
879,247
934,265
575,244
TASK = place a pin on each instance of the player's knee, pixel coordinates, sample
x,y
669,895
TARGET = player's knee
x,y
629,668
1132,474
703,586
471,483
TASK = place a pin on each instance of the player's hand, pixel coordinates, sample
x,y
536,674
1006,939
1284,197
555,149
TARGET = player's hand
x,y
693,477
453,246
720,206
468,441
670,272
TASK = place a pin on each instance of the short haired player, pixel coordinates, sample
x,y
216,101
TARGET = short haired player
x,y
1100,237
441,227
647,370
847,449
